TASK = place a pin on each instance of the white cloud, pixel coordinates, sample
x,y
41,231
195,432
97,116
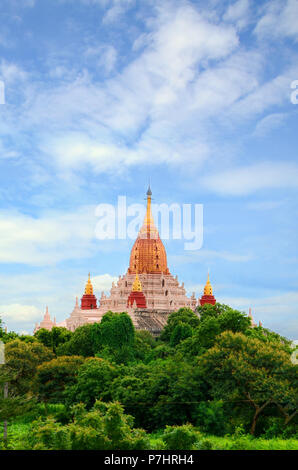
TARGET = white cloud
x,y
278,313
238,13
116,9
265,205
219,89
280,19
249,179
19,313
103,282
113,9
11,73
190,75
269,123
195,256
7,152
33,291
73,151
265,96
105,56
52,237
148,104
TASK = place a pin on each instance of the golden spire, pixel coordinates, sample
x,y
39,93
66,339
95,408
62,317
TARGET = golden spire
x,y
89,287
148,229
208,287
137,286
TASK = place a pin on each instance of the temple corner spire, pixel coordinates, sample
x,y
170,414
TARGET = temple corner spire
x,y
208,297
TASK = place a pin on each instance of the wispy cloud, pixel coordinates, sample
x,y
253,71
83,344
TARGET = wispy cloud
x,y
53,237
270,123
249,179
239,13
103,282
279,19
193,257
265,205
277,312
19,313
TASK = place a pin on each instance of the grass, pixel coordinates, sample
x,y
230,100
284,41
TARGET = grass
x,y
18,431
250,443
243,442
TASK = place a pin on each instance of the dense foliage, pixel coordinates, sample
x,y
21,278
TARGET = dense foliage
x,y
209,372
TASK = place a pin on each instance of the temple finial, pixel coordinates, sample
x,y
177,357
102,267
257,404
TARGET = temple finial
x,y
149,192
137,286
208,287
89,287
47,315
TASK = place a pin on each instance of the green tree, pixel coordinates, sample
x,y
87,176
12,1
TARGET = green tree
x,y
93,382
54,338
81,343
11,404
207,310
243,369
143,345
44,336
117,330
117,337
22,359
54,376
266,335
233,320
179,333
6,337
211,417
207,332
161,392
183,315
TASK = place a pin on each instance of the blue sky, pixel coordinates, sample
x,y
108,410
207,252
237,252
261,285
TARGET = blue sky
x,y
103,94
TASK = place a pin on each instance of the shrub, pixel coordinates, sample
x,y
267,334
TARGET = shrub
x,y
180,437
49,435
204,444
105,427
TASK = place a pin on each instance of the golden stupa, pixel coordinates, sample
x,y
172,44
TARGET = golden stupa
x,y
89,287
208,287
137,286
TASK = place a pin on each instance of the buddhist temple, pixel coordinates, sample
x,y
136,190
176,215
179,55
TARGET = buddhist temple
x,y
46,323
148,291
